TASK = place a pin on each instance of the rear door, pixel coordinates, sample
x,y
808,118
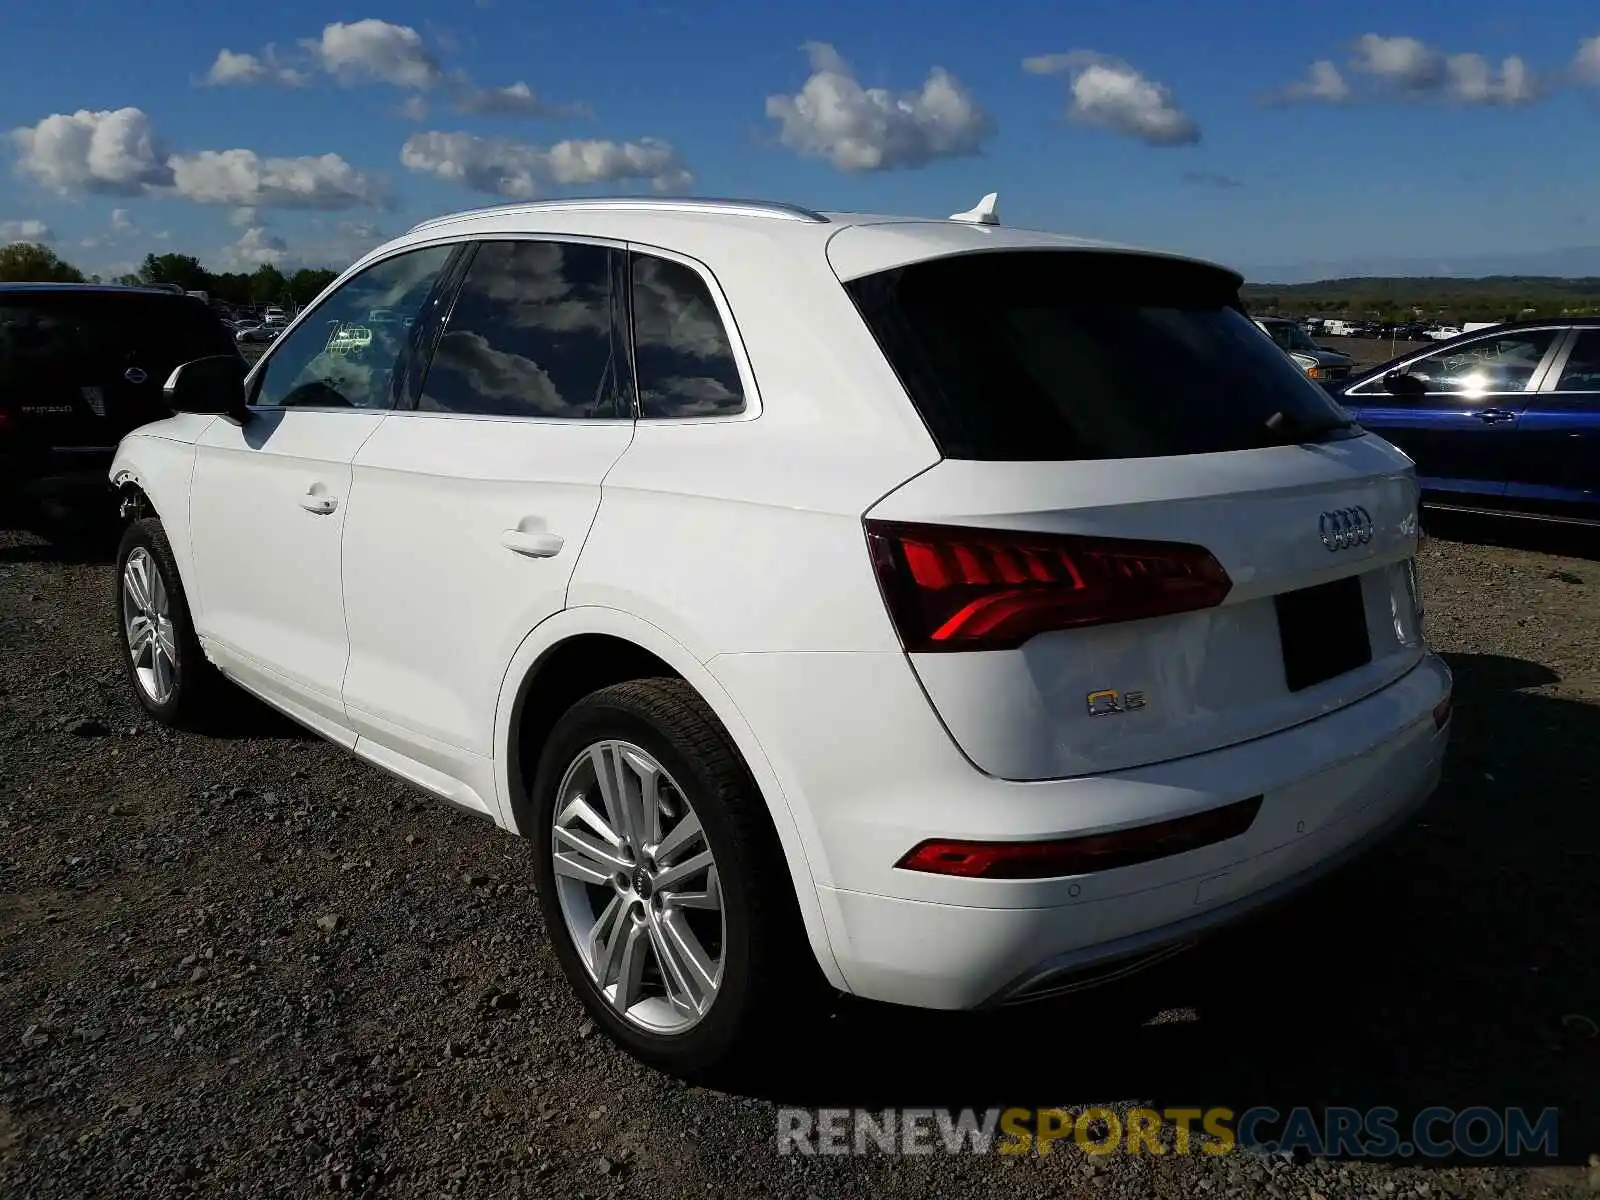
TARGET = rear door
x,y
1556,456
1455,411
1149,535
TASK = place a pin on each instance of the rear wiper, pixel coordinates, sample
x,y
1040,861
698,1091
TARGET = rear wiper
x,y
1292,429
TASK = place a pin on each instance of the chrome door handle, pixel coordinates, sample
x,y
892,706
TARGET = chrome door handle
x,y
321,505
1494,416
533,545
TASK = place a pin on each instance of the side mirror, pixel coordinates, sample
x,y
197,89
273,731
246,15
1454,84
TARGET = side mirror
x,y
1403,383
210,385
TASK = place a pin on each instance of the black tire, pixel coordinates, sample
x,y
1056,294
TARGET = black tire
x,y
198,687
769,981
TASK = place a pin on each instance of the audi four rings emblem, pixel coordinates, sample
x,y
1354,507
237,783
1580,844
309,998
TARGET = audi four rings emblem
x,y
1342,528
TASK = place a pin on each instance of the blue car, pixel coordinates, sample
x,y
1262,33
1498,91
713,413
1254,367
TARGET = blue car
x,y
1502,420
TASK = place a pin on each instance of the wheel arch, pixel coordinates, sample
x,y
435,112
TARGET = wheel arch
x,y
641,649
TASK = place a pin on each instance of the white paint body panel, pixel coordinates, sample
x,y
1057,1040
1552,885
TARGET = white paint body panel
x,y
732,549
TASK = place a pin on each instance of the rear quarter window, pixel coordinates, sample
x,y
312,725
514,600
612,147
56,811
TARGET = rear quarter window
x,y
1059,355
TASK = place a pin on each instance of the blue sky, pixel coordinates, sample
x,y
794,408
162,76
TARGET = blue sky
x,y
1413,143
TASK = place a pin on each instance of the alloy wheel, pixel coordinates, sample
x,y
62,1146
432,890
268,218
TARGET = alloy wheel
x,y
147,624
638,887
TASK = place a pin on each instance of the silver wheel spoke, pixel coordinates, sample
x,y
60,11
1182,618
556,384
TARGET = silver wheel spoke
x,y
140,634
683,833
695,964
606,936
710,897
579,856
642,802
629,985
162,666
679,993
687,869
604,761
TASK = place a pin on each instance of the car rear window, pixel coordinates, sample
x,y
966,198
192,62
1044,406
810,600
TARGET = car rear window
x,y
86,333
1053,355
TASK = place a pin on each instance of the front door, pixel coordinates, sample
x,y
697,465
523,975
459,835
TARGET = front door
x,y
269,501
470,510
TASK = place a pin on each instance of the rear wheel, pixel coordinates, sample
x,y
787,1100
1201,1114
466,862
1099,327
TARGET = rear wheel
x,y
661,882
172,680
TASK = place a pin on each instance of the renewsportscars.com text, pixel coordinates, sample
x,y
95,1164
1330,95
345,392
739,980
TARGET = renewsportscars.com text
x,y
1436,1132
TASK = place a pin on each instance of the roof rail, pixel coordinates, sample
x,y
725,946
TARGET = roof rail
x,y
741,208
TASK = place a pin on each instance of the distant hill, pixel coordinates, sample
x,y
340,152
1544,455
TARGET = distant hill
x,y
1566,262
1494,297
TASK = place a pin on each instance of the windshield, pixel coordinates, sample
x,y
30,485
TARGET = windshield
x,y
1052,355
1290,336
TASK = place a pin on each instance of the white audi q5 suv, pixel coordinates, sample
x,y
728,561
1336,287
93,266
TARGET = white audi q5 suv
x,y
945,612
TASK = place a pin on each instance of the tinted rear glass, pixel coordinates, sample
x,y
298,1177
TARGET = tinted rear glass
x,y
1048,355
89,334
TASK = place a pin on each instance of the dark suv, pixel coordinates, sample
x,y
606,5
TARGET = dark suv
x,y
80,366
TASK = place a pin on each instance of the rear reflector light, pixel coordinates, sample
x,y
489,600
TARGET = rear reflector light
x,y
955,588
1441,712
1081,855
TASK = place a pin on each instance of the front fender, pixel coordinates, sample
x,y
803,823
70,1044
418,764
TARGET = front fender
x,y
796,840
159,461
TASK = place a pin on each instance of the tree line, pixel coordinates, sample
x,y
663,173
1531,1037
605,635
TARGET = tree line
x,y
1397,300
28,262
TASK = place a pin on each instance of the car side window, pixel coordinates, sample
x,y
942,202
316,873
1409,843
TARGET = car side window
x,y
531,334
344,353
1582,372
683,357
1492,365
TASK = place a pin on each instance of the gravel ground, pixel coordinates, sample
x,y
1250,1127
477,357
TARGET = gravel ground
x,y
249,965
1369,352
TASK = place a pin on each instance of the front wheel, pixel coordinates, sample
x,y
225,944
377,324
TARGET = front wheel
x,y
172,680
661,881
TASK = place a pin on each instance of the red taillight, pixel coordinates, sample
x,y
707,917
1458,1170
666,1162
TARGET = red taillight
x,y
953,588
1441,713
1078,856
7,422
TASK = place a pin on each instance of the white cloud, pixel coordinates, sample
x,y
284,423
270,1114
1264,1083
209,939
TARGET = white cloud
x,y
1402,61
121,222
414,108
116,152
1323,82
244,216
1109,93
249,70
1414,68
1587,63
371,49
255,247
873,129
1471,80
503,167
243,178
112,151
513,100
25,231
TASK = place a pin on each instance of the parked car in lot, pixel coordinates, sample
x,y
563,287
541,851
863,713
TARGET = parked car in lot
x,y
256,334
1319,363
80,366
904,628
1507,419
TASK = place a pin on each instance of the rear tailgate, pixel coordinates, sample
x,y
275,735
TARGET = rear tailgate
x,y
1197,680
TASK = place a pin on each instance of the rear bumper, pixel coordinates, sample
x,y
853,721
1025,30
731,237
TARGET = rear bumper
x,y
1328,788
69,480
